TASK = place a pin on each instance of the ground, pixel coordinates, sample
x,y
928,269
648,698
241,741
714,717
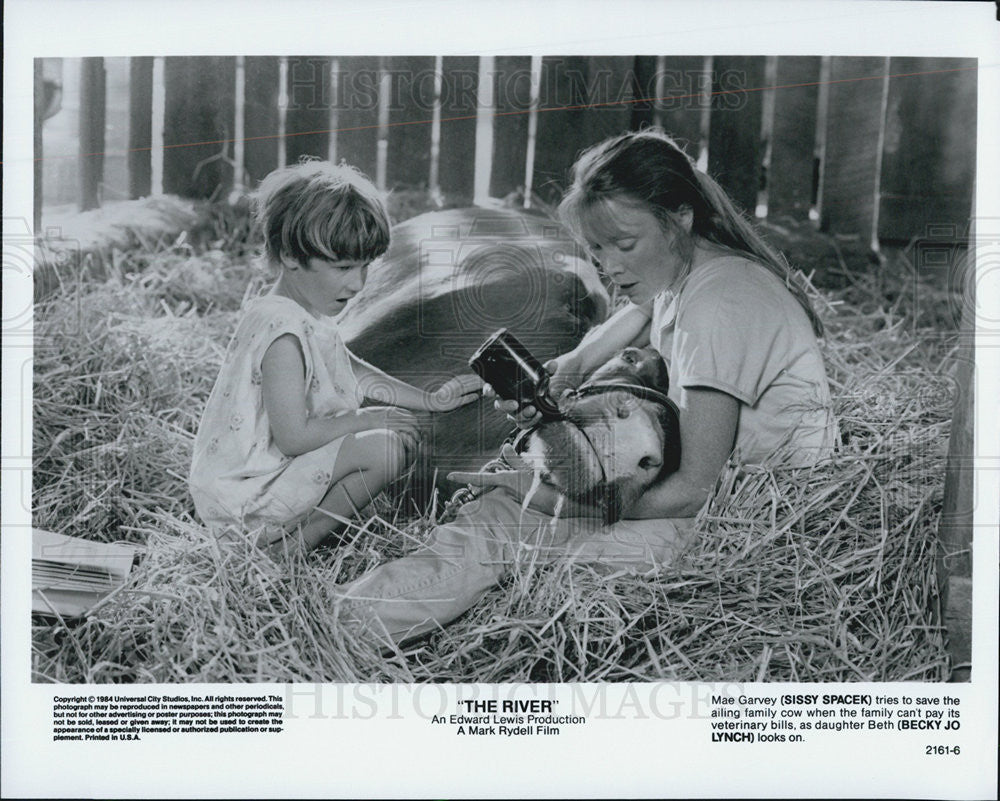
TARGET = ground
x,y
826,574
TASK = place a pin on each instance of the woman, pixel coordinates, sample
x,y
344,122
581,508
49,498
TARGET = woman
x,y
723,309
740,340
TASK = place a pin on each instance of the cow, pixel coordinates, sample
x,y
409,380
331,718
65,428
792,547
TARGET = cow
x,y
449,280
618,435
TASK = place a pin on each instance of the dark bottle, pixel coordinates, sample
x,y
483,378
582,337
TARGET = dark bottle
x,y
507,366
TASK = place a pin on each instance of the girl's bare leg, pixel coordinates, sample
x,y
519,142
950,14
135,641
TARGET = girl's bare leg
x,y
366,463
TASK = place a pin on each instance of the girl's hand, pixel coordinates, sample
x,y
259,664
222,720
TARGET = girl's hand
x,y
392,418
456,392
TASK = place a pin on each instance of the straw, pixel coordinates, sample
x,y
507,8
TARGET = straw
x,y
820,574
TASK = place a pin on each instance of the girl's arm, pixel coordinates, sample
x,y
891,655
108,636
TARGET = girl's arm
x,y
381,387
708,433
283,386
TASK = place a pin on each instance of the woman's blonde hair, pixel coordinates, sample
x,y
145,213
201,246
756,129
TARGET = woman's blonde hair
x,y
315,209
650,168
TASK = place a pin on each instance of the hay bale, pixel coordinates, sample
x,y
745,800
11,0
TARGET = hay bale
x,y
821,574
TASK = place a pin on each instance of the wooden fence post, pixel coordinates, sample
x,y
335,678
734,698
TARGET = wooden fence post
x,y
140,126
561,123
198,121
411,107
357,103
929,159
854,134
92,104
458,136
955,532
39,118
261,116
308,108
734,146
679,88
792,176
583,100
512,99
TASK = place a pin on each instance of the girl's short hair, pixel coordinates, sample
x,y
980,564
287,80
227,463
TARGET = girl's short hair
x,y
315,209
650,168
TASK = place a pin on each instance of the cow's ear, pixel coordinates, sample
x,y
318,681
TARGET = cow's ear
x,y
685,217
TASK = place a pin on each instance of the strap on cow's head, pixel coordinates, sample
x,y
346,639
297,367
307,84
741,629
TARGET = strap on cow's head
x,y
638,390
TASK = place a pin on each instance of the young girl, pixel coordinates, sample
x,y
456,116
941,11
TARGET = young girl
x,y
740,340
283,443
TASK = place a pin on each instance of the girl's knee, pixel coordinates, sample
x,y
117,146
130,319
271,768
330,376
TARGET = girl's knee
x,y
390,452
401,451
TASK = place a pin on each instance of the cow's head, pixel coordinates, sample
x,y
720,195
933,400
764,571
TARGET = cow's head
x,y
619,435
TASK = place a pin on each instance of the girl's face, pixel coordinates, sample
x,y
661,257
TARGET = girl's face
x,y
323,287
633,249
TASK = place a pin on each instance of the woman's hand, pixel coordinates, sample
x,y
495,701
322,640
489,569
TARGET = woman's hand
x,y
520,480
517,481
456,392
564,376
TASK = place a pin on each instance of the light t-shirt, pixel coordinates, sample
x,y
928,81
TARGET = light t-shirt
x,y
238,475
733,326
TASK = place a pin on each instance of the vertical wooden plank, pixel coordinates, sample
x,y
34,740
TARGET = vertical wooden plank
x,y
382,143
357,102
679,88
588,101
459,98
239,127
529,156
955,532
157,125
734,146
929,159
608,91
261,116
562,124
512,99
411,106
483,160
308,108
115,181
645,70
852,159
140,126
793,138
39,117
434,168
197,122
92,108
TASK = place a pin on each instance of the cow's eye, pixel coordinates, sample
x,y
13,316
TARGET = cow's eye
x,y
623,411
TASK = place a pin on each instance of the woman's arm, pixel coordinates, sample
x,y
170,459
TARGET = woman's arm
x,y
283,386
708,433
619,331
568,371
381,387
520,481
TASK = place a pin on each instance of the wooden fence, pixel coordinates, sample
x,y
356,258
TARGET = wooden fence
x,y
876,147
